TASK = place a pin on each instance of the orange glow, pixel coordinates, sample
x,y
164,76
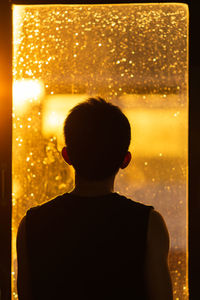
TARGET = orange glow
x,y
25,92
150,127
134,55
55,110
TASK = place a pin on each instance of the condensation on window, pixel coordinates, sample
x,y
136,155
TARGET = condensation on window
x,y
134,55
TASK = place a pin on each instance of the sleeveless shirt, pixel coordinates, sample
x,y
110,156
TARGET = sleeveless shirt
x,y
87,248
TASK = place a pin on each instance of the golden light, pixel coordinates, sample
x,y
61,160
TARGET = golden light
x,y
53,120
26,92
152,133
55,110
159,131
150,127
134,55
17,189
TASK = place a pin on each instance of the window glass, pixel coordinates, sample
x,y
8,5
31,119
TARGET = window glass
x,y
134,55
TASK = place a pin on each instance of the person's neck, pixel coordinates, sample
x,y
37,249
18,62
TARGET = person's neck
x,y
93,188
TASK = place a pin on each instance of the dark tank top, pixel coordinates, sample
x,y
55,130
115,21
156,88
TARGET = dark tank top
x,y
87,248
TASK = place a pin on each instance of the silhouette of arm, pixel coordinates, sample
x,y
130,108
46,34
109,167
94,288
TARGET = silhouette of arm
x,y
23,276
157,275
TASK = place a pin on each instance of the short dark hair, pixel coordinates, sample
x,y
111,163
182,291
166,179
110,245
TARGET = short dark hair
x,y
97,135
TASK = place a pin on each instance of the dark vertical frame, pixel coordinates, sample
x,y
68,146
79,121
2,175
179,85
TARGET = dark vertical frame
x,y
5,147
6,139
194,153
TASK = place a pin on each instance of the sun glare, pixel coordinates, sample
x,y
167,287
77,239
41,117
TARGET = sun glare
x,y
26,92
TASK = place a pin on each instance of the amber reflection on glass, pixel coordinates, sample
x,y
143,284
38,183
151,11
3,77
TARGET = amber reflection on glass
x,y
134,55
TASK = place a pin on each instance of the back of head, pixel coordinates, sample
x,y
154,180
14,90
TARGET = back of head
x,y
97,135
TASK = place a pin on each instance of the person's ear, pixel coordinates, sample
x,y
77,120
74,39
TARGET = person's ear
x,y
66,156
126,160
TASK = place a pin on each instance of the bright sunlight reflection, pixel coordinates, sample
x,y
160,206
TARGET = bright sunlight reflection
x,y
25,92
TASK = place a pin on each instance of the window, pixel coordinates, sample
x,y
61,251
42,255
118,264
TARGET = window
x,y
134,55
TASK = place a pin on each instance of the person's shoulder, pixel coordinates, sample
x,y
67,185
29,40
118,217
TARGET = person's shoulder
x,y
156,218
157,274
157,223
47,205
133,203
21,228
45,212
157,236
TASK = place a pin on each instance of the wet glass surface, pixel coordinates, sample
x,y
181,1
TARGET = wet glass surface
x,y
134,56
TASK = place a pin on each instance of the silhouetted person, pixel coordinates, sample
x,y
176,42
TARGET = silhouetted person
x,y
93,243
